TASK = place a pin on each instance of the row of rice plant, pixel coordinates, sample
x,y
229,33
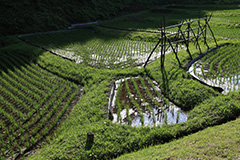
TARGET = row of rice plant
x,y
139,102
220,68
33,101
96,50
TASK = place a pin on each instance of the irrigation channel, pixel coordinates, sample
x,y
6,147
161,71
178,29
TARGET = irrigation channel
x,y
137,101
219,68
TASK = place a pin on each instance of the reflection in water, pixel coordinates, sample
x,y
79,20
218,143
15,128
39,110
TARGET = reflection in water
x,y
153,108
148,118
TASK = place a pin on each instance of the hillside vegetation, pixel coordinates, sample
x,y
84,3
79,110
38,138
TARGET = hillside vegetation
x,y
43,15
70,98
212,143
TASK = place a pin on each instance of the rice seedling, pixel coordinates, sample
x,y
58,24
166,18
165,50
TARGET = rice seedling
x,y
33,90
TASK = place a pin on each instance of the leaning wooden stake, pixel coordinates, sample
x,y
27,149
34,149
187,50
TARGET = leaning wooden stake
x,y
152,52
161,42
185,42
198,37
164,43
211,30
188,34
175,52
177,36
204,32
195,36
205,35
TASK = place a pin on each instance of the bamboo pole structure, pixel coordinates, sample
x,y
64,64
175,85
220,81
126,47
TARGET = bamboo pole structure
x,y
162,43
181,36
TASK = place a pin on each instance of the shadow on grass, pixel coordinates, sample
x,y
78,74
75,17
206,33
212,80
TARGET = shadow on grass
x,y
14,53
174,13
165,81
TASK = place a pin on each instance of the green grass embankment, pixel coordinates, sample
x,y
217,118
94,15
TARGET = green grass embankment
x,y
218,142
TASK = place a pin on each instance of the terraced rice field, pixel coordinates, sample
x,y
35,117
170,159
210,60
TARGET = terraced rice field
x,y
138,101
220,68
96,50
33,103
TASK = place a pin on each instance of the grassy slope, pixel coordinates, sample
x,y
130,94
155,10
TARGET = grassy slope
x,y
114,140
111,139
219,142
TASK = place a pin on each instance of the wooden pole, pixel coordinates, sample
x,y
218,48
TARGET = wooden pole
x,y
195,36
152,52
188,34
165,39
198,37
212,34
205,35
185,42
211,30
162,47
90,140
175,52
204,32
180,24
177,36
184,31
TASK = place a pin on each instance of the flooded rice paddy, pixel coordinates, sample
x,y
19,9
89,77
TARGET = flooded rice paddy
x,y
138,101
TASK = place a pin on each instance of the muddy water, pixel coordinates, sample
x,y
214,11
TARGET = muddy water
x,y
155,110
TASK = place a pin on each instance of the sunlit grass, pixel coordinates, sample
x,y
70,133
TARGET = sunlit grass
x,y
220,142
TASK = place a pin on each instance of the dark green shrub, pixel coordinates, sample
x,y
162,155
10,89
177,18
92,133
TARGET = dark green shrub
x,y
189,93
218,109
